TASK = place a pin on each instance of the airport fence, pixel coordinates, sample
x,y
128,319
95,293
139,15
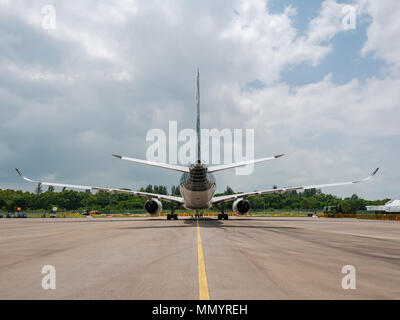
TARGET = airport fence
x,y
283,212
377,216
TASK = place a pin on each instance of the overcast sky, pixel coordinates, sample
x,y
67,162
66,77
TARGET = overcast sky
x,y
110,71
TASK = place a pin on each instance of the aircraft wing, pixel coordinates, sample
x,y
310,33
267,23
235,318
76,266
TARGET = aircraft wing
x,y
111,190
240,164
155,164
220,199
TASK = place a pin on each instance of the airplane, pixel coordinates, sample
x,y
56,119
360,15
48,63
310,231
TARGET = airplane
x,y
197,184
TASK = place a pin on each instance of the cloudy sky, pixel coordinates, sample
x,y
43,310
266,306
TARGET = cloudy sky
x,y
326,96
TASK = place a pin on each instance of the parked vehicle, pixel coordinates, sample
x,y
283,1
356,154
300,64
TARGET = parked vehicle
x,y
21,215
92,212
16,215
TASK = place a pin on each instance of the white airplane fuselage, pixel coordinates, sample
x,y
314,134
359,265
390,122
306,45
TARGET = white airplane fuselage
x,y
197,188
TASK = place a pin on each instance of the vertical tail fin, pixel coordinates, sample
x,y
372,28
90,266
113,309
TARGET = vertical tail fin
x,y
198,119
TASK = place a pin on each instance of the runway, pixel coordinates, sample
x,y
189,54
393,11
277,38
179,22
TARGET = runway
x,y
242,258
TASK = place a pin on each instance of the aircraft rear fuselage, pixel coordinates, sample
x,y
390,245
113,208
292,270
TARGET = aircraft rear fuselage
x,y
197,187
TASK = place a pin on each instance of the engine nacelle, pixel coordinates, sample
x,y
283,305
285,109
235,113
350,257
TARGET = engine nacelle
x,y
153,207
241,207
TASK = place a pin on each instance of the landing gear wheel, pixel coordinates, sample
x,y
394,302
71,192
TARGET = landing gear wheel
x,y
226,217
175,217
219,216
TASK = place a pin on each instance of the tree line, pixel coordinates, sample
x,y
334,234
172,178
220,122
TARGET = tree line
x,y
69,200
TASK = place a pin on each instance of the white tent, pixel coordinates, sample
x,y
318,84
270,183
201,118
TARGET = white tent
x,y
391,206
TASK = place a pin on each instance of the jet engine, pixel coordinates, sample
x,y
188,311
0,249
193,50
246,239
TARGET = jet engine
x,y
241,206
153,207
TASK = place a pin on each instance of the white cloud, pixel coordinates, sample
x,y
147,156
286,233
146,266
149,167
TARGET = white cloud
x,y
265,43
383,33
327,23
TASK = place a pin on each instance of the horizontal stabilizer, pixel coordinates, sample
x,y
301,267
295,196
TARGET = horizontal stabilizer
x,y
155,164
240,164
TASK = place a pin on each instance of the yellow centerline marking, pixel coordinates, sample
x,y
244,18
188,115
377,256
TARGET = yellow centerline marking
x,y
204,294
42,235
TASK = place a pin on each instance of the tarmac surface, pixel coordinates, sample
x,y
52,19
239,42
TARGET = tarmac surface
x,y
242,258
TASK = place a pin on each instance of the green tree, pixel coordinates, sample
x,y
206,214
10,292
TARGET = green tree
x,y
345,206
229,191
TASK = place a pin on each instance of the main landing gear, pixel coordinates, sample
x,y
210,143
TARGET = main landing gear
x,y
172,215
223,215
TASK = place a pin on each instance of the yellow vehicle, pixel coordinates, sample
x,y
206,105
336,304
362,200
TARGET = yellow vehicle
x,y
91,212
